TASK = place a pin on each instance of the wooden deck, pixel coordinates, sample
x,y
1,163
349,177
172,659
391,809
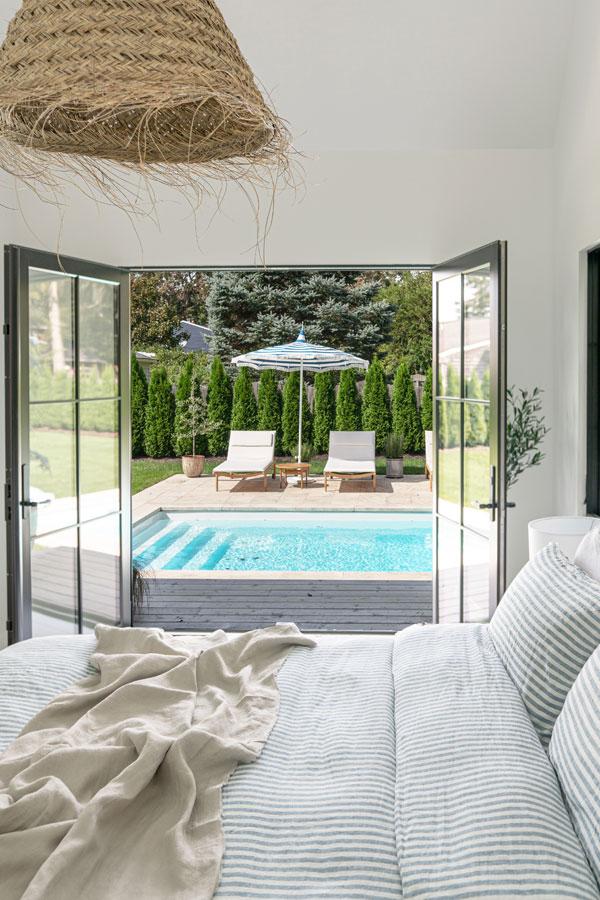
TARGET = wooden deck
x,y
315,605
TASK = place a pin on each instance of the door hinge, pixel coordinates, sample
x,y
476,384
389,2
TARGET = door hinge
x,y
9,626
7,503
5,328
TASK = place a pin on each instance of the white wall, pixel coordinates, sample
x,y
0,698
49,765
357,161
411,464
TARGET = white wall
x,y
362,208
577,216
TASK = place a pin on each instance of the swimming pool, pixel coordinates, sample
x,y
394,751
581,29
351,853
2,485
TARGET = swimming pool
x,y
284,542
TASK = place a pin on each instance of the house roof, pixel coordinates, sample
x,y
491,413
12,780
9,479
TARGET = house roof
x,y
194,337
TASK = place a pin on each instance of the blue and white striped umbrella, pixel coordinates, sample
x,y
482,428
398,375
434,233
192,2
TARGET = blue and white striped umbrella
x,y
300,356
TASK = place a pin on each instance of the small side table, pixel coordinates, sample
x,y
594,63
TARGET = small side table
x,y
284,470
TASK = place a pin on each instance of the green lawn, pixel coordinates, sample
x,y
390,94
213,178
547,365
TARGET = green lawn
x,y
53,461
477,475
146,472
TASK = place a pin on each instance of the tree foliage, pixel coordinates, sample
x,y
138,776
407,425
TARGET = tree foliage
x,y
159,301
323,411
289,419
269,405
160,415
247,310
218,412
450,411
405,415
427,402
139,399
475,417
411,327
525,432
376,404
244,415
347,407
189,413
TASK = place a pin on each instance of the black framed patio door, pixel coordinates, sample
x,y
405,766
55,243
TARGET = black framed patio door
x,y
469,425
67,492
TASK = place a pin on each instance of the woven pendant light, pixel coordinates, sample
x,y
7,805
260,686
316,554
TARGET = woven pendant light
x,y
144,83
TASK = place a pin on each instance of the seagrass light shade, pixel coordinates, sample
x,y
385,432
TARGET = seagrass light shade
x,y
142,83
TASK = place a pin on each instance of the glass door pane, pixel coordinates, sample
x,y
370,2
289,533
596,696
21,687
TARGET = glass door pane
x,y
469,491
68,443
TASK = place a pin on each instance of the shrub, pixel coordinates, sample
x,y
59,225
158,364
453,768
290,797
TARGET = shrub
x,y
405,415
475,419
160,415
427,402
139,399
450,412
376,404
289,418
347,407
244,416
323,411
269,405
218,411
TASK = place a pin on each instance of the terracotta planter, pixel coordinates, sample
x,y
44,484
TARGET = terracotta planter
x,y
394,468
192,466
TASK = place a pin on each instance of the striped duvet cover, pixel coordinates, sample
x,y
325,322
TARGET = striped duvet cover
x,y
399,766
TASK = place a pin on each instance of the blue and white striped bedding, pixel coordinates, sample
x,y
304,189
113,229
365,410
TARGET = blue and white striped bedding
x,y
401,766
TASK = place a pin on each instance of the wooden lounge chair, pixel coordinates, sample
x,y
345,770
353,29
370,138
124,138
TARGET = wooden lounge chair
x,y
250,453
351,455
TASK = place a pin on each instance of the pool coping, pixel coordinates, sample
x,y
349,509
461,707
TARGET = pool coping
x,y
275,575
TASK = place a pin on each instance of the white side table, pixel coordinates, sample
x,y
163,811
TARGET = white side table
x,y
566,531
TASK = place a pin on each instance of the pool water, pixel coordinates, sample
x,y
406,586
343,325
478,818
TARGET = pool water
x,y
284,542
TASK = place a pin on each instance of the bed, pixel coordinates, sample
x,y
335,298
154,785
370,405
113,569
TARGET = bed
x,y
400,766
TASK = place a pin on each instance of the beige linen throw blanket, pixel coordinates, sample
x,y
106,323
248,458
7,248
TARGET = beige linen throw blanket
x,y
114,789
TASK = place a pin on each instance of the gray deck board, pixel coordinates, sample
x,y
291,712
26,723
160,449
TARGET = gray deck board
x,y
347,605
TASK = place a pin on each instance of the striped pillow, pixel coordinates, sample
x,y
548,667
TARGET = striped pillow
x,y
544,630
575,753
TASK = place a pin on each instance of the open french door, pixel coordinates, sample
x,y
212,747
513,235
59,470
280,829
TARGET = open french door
x,y
469,424
67,493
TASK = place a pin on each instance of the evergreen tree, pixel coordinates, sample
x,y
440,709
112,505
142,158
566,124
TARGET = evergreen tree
x,y
269,405
452,410
410,330
289,419
376,404
183,438
427,402
218,411
405,415
323,411
475,420
244,416
139,399
485,391
160,415
247,310
347,407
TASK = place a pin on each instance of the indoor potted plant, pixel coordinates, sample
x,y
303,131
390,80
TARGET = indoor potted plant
x,y
394,447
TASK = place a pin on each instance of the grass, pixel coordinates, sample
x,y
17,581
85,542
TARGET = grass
x,y
53,461
146,472
477,475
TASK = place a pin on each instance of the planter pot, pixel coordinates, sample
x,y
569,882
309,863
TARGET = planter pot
x,y
394,468
192,466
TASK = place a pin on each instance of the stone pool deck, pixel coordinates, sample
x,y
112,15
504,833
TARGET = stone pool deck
x,y
357,602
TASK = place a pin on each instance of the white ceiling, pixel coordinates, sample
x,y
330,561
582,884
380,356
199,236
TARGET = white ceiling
x,y
397,74
406,74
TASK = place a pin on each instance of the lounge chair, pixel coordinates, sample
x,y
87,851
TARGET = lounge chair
x,y
250,453
351,455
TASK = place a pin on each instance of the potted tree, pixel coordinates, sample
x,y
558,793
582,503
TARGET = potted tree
x,y
191,426
394,448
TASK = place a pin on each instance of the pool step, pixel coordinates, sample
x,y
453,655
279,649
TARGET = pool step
x,y
189,550
164,543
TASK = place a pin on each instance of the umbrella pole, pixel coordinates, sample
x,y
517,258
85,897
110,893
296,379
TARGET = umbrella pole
x,y
300,412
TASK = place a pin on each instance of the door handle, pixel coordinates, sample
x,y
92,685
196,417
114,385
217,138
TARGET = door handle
x,y
34,502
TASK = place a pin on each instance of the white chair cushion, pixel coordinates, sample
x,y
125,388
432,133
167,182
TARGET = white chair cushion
x,y
349,466
352,445
251,439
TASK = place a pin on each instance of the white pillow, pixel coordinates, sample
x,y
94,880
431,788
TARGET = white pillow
x,y
587,555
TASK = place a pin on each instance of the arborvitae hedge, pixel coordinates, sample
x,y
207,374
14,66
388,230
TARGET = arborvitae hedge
x,y
244,416
405,415
218,408
427,402
323,411
450,411
269,405
376,404
139,399
183,443
347,407
160,415
289,418
475,418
